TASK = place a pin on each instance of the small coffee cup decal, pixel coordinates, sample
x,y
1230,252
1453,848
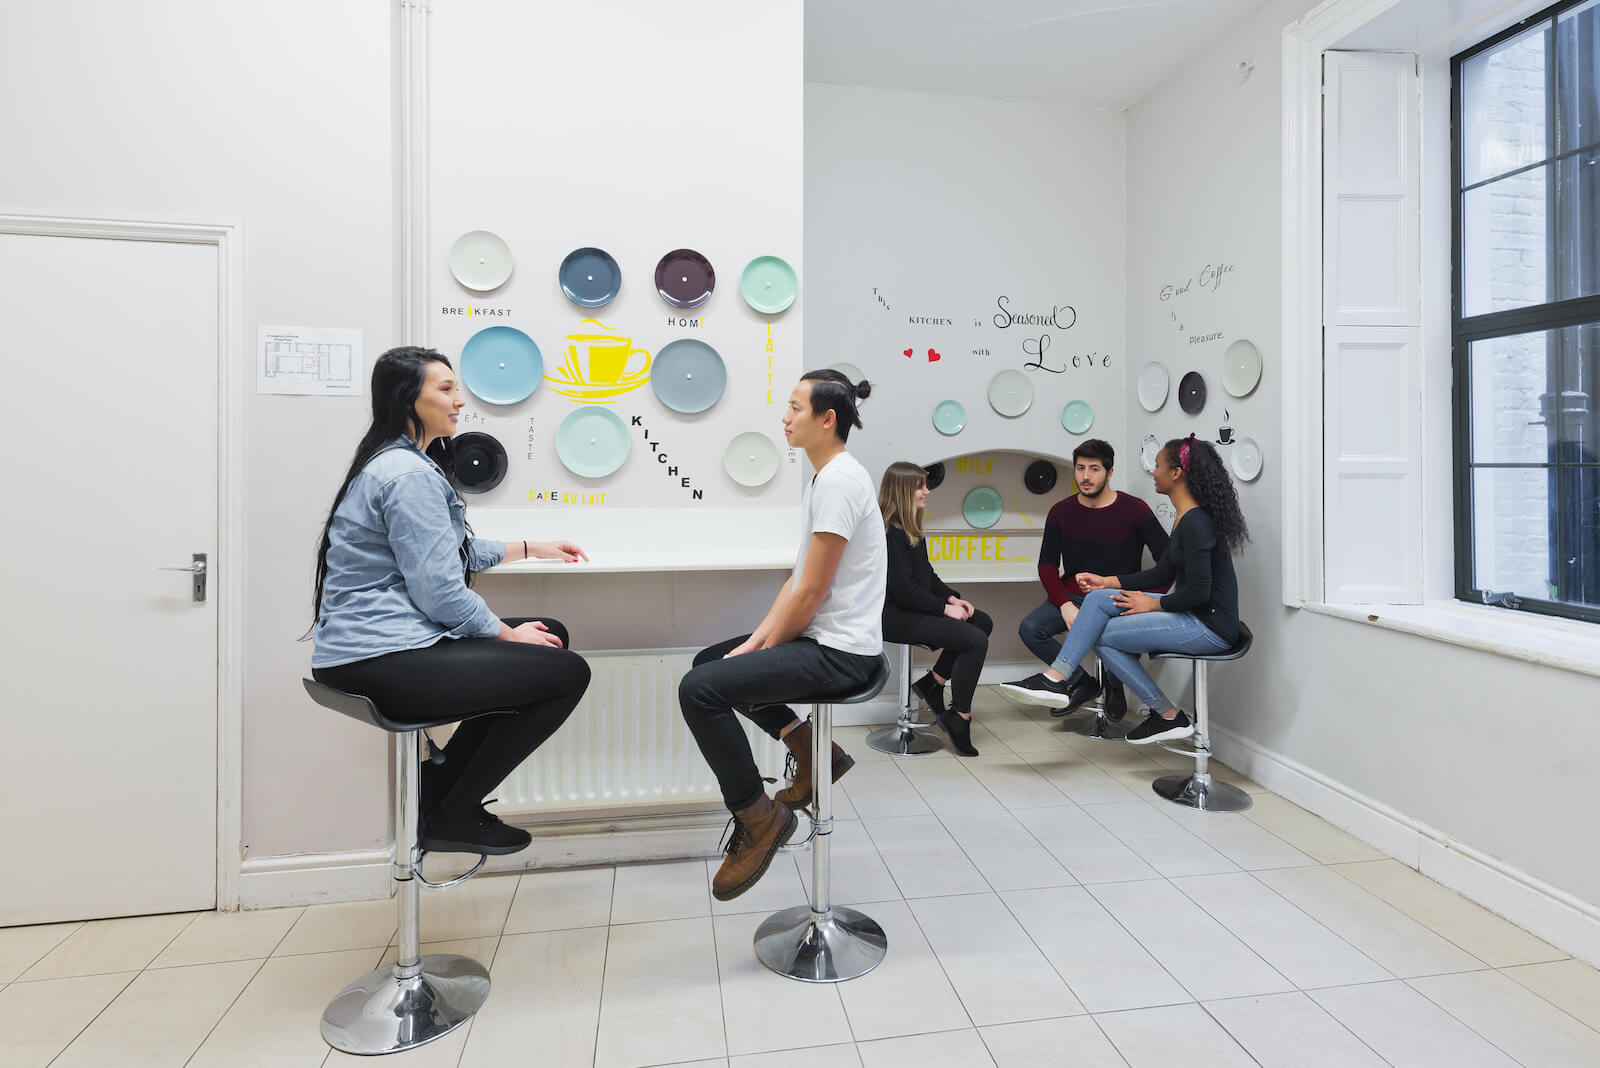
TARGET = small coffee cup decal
x,y
1225,432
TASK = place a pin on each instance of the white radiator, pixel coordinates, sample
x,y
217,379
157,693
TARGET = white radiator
x,y
625,747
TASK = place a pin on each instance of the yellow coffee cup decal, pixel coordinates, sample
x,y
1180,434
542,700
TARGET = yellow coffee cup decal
x,y
598,367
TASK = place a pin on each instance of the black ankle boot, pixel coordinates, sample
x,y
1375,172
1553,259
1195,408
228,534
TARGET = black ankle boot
x,y
931,691
958,729
1115,700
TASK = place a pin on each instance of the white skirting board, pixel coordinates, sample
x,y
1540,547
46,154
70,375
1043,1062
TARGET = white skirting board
x,y
1552,914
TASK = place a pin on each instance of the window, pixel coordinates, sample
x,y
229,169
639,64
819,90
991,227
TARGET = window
x,y
1526,314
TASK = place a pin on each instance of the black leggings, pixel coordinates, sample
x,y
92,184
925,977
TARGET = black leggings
x,y
537,685
963,643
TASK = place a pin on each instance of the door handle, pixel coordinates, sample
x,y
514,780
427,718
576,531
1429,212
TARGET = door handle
x,y
198,570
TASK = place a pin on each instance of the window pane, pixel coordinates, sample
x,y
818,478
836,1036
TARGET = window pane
x,y
1577,88
1512,510
1578,569
1503,107
1511,399
1577,259
1504,247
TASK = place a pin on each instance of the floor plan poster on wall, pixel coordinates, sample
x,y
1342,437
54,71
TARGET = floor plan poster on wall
x,y
323,361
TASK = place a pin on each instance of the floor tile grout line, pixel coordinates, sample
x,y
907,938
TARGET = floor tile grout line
x,y
1302,992
1531,990
260,964
79,1033
716,962
76,927
1424,923
1112,831
605,964
1463,1022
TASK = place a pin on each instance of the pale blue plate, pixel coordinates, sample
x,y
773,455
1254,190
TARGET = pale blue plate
x,y
590,277
688,376
1077,417
501,365
982,507
949,417
592,442
768,284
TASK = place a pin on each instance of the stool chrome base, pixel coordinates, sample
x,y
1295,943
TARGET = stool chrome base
x,y
1104,729
840,944
1192,791
903,739
379,1013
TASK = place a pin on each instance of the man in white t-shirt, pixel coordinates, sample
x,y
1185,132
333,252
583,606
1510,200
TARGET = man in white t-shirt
x,y
823,635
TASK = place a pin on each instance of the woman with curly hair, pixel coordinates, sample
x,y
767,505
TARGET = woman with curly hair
x,y
1199,616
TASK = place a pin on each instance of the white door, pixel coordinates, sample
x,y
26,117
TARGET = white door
x,y
108,802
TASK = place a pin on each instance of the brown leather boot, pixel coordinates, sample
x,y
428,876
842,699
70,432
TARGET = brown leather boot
x,y
755,833
798,793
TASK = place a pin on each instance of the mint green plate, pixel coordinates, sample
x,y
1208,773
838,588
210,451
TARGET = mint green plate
x,y
949,417
592,442
768,284
1077,417
982,507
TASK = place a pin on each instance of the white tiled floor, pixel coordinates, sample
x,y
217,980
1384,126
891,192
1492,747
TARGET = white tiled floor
x,y
1043,907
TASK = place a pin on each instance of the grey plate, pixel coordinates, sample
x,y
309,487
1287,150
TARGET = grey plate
x,y
688,376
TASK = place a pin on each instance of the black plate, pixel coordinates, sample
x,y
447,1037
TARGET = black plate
x,y
1192,393
1040,477
684,278
935,475
480,462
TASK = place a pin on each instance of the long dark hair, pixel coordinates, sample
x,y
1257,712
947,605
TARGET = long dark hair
x,y
396,384
1212,488
832,389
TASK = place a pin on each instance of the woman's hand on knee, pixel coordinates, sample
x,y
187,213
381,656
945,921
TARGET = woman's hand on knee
x,y
533,633
1132,601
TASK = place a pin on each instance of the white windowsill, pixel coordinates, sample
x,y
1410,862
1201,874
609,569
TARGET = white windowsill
x,y
1559,643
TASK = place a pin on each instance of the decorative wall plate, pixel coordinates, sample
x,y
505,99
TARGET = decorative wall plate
x,y
1040,477
935,475
982,507
949,417
501,365
849,370
481,260
688,376
1153,384
592,442
768,284
1010,393
1077,417
1246,459
1241,368
480,462
751,459
1192,393
589,277
1149,450
684,278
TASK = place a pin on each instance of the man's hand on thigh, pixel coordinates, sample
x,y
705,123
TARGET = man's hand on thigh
x,y
1069,612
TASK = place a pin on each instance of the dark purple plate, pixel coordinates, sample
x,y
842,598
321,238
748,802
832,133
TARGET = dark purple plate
x,y
1192,393
684,278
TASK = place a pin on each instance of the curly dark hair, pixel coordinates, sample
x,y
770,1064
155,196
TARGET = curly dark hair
x,y
1212,488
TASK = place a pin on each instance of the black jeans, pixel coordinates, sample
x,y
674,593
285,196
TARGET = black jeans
x,y
963,644
757,684
534,686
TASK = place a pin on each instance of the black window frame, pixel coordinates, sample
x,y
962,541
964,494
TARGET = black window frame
x,y
1552,315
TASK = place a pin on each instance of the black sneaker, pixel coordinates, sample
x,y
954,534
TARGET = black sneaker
x,y
1156,729
1080,692
1038,689
474,831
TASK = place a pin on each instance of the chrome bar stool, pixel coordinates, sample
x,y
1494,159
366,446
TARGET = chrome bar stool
x,y
417,999
1199,790
822,942
1101,727
904,739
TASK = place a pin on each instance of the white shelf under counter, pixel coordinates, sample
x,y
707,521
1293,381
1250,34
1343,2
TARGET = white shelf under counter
x,y
647,539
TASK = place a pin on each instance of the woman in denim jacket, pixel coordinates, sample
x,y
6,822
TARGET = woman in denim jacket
x,y
398,623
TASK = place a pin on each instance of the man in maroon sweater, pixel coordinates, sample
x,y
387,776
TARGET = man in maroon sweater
x,y
1096,529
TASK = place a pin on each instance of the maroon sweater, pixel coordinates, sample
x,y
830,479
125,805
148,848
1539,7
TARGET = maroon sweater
x,y
1105,541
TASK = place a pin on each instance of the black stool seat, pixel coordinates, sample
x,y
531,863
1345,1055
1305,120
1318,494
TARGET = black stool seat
x,y
1240,646
362,708
870,689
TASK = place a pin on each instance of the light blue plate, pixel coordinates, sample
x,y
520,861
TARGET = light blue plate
x,y
949,417
592,442
982,507
590,277
501,365
688,376
1077,417
768,284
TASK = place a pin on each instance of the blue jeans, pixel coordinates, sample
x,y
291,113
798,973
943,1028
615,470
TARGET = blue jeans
x,y
1118,640
1039,628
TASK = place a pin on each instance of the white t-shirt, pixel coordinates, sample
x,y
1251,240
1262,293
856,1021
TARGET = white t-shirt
x,y
841,500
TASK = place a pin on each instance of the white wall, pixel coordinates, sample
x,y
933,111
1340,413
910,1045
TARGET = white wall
x,y
1480,747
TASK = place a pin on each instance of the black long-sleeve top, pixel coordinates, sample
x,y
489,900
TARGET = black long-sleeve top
x,y
1200,569
913,586
1104,541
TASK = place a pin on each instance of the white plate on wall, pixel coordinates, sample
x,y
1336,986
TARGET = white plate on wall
x,y
1241,368
481,260
751,459
1153,385
1010,393
1149,452
1246,459
850,371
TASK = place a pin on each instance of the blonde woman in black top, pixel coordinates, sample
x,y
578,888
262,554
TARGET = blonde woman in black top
x,y
919,607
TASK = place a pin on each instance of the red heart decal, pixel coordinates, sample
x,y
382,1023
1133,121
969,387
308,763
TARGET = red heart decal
x,y
908,352
933,357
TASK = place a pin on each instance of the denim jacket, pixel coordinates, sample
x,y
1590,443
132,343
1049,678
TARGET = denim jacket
x,y
394,566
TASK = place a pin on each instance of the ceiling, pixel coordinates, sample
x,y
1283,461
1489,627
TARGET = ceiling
x,y
1103,53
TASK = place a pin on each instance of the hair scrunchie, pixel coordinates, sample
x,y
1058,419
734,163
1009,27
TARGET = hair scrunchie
x,y
1183,451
